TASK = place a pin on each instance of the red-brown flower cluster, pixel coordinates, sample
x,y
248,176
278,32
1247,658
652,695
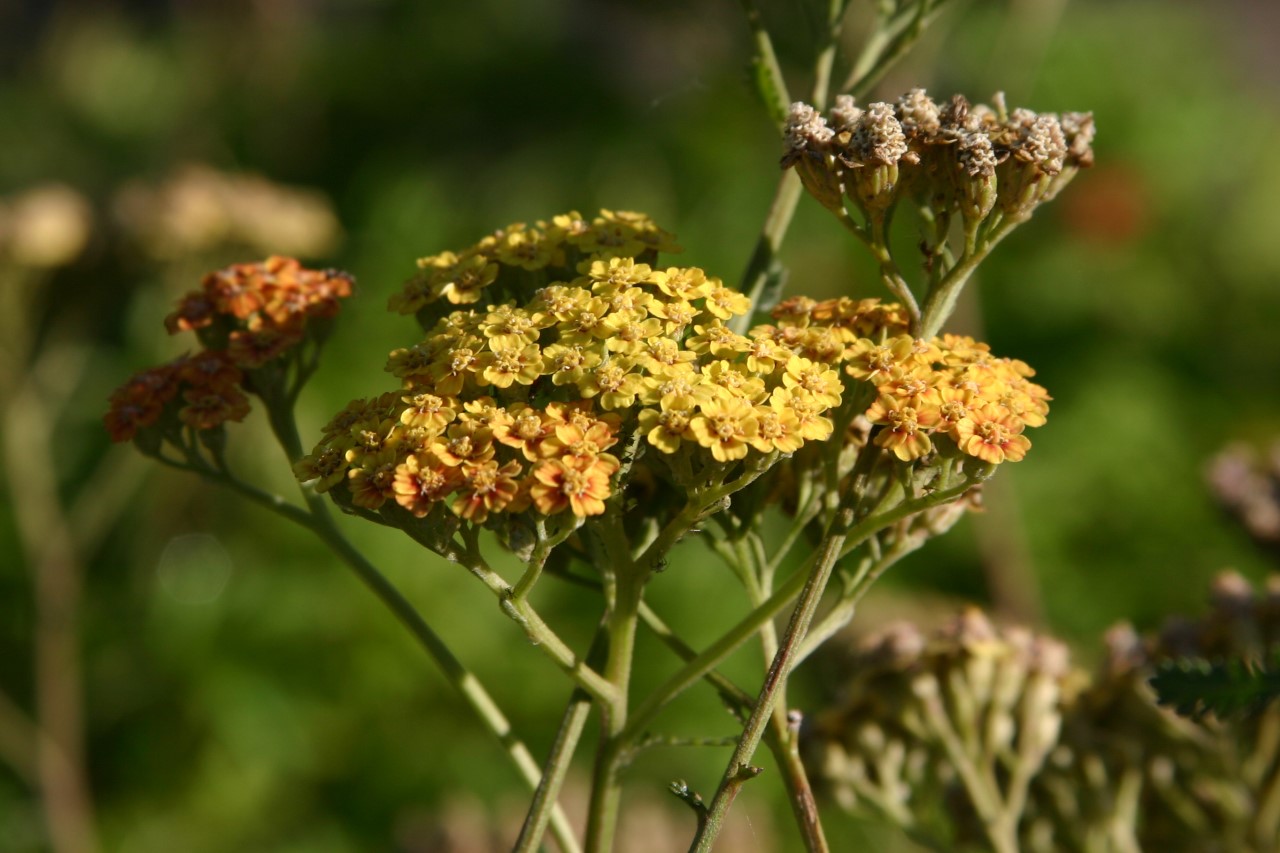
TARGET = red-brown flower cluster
x,y
206,384
263,308
246,316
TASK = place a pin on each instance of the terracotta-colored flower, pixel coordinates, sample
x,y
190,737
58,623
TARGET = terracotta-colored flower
x,y
208,408
465,442
422,481
253,349
486,488
578,483
525,430
373,483
208,369
905,428
876,362
196,310
993,435
327,466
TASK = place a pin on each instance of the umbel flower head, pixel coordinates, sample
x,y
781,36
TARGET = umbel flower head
x,y
547,387
260,325
979,718
950,389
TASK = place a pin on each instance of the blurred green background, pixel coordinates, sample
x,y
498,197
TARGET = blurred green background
x,y
241,691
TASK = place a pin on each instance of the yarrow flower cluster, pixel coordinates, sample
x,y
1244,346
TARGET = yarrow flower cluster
x,y
958,157
251,320
515,260
978,720
522,404
921,391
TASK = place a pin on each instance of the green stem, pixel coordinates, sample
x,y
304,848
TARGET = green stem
x,y
888,43
890,273
734,697
827,55
543,806
787,194
606,790
842,612
321,524
773,87
941,300
740,769
782,737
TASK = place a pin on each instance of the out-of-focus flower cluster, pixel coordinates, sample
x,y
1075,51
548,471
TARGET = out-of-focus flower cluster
x,y
44,226
1248,487
978,731
251,320
920,391
527,403
199,209
955,157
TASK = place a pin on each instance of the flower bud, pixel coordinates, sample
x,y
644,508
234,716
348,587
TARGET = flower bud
x,y
806,140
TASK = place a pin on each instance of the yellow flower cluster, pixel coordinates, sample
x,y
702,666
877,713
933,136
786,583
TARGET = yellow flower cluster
x,y
951,386
516,405
508,262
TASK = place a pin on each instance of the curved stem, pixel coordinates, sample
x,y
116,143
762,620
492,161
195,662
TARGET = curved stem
x,y
543,806
890,273
782,737
941,300
787,194
740,769
627,578
320,522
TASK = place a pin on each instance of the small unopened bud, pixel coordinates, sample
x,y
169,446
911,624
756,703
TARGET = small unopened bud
x,y
878,139
1042,144
806,140
845,114
1079,130
918,115
871,152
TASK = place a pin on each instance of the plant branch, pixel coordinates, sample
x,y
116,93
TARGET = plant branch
x,y
319,522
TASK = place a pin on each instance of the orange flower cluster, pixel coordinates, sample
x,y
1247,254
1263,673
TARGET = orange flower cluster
x,y
951,386
515,405
261,310
206,383
246,316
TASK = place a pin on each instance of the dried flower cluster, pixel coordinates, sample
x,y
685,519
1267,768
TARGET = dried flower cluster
x,y
956,157
516,405
250,319
989,734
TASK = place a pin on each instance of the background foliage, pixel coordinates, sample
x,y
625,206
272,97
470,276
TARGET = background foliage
x,y
242,691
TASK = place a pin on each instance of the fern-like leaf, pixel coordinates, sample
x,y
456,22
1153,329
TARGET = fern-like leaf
x,y
1197,687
